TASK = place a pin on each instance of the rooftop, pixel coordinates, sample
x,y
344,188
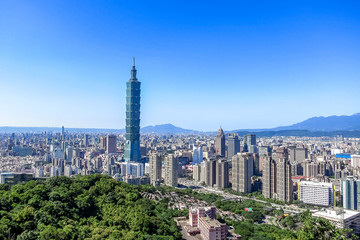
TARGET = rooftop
x,y
336,215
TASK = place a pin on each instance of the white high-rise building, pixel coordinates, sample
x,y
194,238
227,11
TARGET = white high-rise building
x,y
197,155
316,193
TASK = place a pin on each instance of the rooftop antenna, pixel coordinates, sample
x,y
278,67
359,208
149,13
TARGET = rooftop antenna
x,y
134,61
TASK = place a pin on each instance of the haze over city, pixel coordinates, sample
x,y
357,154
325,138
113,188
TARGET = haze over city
x,y
201,64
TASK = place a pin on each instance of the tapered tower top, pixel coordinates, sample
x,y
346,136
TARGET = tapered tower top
x,y
133,72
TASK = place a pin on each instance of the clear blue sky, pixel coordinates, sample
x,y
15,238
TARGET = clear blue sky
x,y
238,64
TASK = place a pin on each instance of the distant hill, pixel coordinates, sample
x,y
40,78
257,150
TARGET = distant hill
x,y
316,126
166,129
332,123
157,129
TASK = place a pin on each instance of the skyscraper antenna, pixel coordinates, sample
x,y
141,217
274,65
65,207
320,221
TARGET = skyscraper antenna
x,y
134,61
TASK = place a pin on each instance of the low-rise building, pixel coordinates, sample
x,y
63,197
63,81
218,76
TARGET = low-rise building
x,y
211,229
341,218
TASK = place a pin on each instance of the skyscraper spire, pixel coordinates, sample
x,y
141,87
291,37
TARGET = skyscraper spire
x,y
133,72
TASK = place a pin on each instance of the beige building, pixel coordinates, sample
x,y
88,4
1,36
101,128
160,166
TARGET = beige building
x,y
155,162
269,177
284,186
242,171
171,164
222,174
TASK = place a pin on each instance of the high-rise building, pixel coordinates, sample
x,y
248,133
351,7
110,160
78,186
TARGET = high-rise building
x,y
62,132
103,142
269,177
171,170
297,156
242,171
86,140
233,144
132,144
210,172
222,174
284,186
350,193
111,144
155,162
197,172
197,155
220,143
249,142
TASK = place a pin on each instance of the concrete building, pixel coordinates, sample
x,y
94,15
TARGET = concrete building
x,y
242,171
341,218
210,172
171,165
222,174
316,193
155,165
196,212
355,161
233,144
284,184
249,143
111,144
197,172
269,177
220,143
211,229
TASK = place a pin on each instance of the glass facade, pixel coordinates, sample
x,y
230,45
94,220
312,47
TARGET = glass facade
x,y
132,145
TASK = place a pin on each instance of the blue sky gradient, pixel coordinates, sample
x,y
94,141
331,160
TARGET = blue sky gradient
x,y
238,64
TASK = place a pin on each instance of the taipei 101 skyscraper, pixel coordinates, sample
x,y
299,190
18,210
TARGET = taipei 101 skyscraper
x,y
132,145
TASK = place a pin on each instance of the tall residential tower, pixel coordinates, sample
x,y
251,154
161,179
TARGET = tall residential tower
x,y
132,145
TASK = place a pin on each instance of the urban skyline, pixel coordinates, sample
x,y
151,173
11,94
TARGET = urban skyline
x,y
278,56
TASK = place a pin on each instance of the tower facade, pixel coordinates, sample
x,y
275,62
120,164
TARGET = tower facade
x,y
233,145
220,143
132,144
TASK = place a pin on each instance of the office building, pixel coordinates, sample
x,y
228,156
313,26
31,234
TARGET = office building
x,y
350,193
111,144
233,144
132,144
197,155
249,142
220,143
171,165
242,171
316,193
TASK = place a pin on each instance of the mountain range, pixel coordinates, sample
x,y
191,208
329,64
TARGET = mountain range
x,y
314,125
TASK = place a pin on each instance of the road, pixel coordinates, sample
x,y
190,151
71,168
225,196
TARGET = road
x,y
229,197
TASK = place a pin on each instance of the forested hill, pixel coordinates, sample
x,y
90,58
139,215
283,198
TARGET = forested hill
x,y
84,207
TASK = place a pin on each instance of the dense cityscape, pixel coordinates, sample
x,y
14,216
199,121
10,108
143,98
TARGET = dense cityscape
x,y
238,120
288,175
